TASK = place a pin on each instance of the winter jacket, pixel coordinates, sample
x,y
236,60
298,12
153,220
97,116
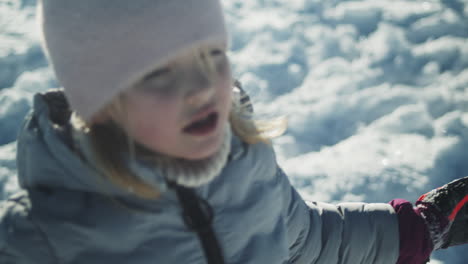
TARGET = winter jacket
x,y
66,213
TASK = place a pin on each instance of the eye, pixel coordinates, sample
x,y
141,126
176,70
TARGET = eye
x,y
219,57
217,52
156,74
158,81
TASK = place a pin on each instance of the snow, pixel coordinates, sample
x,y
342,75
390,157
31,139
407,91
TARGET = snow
x,y
375,92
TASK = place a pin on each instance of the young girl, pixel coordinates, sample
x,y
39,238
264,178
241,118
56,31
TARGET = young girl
x,y
150,155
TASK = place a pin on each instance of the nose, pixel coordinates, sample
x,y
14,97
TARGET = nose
x,y
201,90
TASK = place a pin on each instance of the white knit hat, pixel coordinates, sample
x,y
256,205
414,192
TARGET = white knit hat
x,y
98,48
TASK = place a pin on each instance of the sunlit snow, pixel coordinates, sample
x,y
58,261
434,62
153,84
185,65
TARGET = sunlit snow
x,y
375,92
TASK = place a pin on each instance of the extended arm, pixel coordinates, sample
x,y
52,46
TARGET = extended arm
x,y
342,234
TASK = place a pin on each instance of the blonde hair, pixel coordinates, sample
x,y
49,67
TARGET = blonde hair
x,y
108,140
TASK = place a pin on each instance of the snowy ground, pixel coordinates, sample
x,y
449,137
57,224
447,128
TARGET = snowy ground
x,y
376,92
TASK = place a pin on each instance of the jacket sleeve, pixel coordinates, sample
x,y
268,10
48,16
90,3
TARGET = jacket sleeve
x,y
21,241
346,233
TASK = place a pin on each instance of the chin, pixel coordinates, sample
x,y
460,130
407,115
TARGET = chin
x,y
206,153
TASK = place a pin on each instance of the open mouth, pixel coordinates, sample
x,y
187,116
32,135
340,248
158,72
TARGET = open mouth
x,y
203,126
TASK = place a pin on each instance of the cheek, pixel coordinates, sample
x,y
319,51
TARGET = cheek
x,y
152,118
140,125
226,93
154,132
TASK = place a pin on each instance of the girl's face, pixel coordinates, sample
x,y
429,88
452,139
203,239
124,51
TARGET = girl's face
x,y
181,109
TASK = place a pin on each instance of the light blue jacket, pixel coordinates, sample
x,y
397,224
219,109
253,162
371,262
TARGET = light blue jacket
x,y
68,214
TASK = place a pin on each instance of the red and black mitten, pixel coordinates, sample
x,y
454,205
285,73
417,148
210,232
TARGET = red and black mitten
x,y
445,211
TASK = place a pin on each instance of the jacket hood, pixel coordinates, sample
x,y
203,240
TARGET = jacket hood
x,y
47,156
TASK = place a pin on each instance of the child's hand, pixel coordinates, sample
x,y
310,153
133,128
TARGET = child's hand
x,y
445,210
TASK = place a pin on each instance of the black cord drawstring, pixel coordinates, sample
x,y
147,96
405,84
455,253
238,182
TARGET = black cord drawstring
x,y
198,217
